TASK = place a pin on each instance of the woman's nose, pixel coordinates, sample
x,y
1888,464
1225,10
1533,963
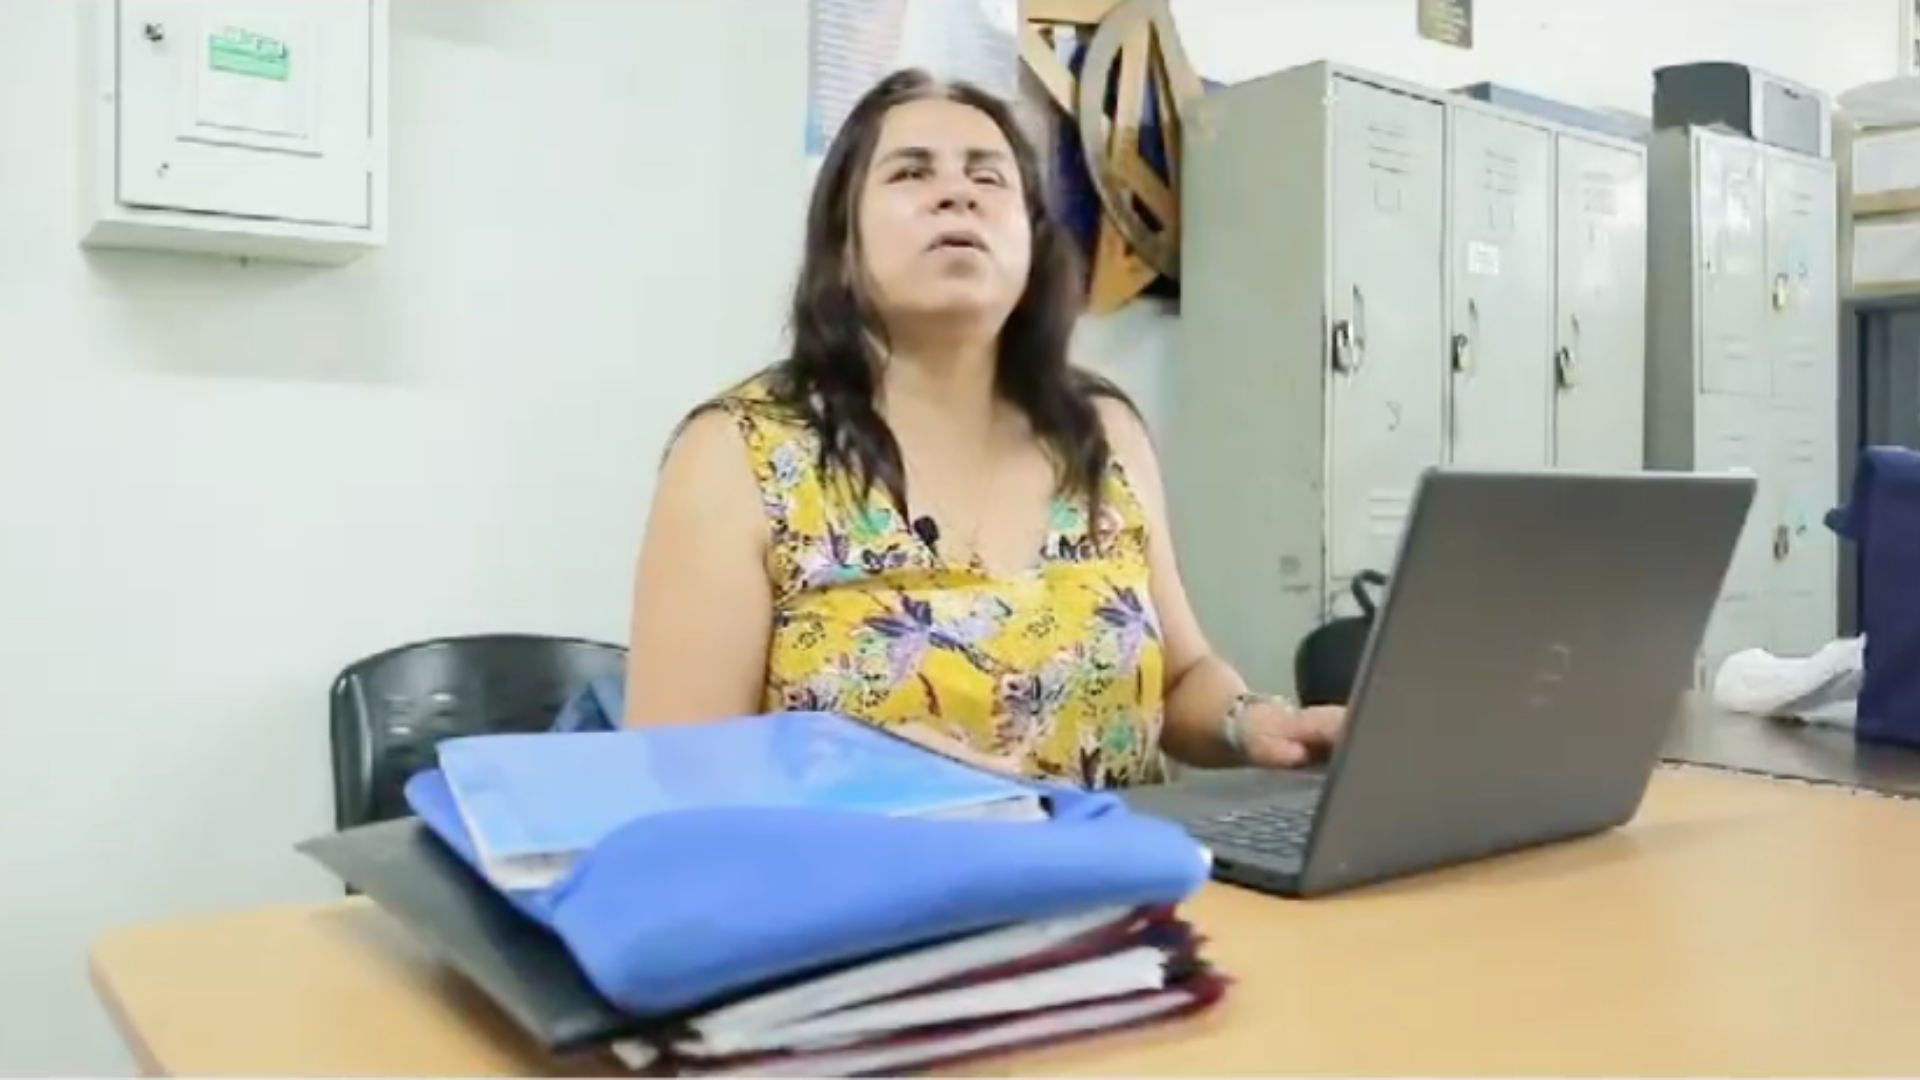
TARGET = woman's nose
x,y
958,195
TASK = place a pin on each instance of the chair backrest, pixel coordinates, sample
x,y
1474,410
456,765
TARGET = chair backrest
x,y
388,711
1327,660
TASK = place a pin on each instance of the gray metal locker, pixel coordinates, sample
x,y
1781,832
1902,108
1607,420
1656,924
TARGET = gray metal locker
x,y
1742,360
1501,194
1307,392
1600,303
1373,282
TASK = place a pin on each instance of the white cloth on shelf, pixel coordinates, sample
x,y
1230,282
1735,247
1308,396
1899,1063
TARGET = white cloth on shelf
x,y
1821,689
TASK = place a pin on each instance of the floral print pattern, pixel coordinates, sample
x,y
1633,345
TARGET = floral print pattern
x,y
1059,666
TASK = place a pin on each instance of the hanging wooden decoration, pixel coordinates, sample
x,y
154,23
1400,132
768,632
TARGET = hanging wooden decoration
x,y
1122,83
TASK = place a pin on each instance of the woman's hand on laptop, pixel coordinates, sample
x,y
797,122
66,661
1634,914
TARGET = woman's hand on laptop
x,y
1279,736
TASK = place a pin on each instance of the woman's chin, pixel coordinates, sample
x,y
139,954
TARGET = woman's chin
x,y
961,300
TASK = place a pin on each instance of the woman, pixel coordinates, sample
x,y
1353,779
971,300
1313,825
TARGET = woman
x,y
926,518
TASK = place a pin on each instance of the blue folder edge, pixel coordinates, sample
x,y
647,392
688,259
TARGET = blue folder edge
x,y
1096,853
430,797
533,794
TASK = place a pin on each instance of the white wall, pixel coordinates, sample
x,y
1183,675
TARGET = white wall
x,y
1596,53
217,483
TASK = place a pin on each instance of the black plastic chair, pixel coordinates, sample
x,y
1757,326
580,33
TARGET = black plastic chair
x,y
1327,660
389,710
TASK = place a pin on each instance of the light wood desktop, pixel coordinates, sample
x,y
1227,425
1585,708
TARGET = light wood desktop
x,y
1740,926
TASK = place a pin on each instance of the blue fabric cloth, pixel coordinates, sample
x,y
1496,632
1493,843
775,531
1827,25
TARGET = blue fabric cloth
x,y
597,706
1882,518
677,910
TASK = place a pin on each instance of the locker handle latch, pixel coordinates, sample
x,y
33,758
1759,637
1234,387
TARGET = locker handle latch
x,y
1345,360
1781,292
1463,342
1782,543
1564,369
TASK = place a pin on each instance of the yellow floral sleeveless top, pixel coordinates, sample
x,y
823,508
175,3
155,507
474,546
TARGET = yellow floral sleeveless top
x,y
1058,667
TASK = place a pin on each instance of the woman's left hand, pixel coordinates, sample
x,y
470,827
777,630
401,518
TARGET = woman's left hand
x,y
1277,736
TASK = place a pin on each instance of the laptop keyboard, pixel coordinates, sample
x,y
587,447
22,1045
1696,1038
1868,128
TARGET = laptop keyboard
x,y
1279,831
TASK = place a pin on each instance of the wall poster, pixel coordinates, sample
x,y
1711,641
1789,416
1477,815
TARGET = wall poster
x,y
852,44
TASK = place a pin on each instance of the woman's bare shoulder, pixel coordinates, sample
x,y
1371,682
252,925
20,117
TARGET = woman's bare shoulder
x,y
707,473
1121,421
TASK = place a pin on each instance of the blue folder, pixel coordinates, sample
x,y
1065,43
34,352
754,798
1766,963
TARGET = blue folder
x,y
678,910
532,802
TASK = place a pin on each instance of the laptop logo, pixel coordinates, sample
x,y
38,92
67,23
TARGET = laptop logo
x,y
1550,673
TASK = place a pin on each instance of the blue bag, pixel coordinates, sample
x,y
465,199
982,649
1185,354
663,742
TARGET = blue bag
x,y
682,909
1883,521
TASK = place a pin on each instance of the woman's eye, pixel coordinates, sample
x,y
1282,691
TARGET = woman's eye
x,y
911,172
989,177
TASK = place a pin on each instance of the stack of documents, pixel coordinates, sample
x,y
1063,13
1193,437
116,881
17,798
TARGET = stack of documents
x,y
787,895
1023,985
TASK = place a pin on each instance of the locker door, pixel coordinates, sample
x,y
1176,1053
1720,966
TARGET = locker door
x,y
1802,297
1735,433
1733,268
1386,318
1501,336
1804,550
1600,307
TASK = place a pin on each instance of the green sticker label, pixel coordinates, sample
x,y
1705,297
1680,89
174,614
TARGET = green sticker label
x,y
243,52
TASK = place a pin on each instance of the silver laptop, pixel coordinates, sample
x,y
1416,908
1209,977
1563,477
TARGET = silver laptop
x,y
1539,632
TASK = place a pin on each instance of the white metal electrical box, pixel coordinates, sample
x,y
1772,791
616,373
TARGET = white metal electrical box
x,y
1378,278
1743,367
241,127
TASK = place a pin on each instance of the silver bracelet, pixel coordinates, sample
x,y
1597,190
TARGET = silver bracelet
x,y
1230,732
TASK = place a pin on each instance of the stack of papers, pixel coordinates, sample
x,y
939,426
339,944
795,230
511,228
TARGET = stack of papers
x,y
1023,985
788,895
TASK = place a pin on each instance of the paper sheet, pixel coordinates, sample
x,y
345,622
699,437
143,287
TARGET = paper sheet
x,y
855,43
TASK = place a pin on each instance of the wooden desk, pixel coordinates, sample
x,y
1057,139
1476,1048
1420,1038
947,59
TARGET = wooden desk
x,y
1739,927
1704,735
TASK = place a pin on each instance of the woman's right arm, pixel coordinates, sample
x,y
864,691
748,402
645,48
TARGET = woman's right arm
x,y
702,604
